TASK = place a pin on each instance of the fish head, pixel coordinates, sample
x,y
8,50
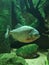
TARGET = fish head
x,y
34,34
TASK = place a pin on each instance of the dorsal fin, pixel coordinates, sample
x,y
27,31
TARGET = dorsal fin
x,y
18,25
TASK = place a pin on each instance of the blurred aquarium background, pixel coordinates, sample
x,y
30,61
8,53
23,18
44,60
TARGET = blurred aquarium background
x,y
16,13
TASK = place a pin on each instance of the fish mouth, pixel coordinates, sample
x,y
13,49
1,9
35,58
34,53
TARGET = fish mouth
x,y
38,36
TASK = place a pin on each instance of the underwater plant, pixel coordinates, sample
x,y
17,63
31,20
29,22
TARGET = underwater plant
x,y
5,19
27,51
11,59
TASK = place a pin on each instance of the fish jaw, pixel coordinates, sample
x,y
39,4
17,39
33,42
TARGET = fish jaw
x,y
29,40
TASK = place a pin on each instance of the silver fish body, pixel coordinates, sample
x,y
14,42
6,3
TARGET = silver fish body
x,y
25,34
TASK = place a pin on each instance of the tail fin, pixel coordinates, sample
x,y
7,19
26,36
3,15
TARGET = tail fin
x,y
7,32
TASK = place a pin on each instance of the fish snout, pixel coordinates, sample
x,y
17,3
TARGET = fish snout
x,y
35,34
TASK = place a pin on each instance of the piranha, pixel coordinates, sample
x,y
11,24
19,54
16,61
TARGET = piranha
x,y
25,34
